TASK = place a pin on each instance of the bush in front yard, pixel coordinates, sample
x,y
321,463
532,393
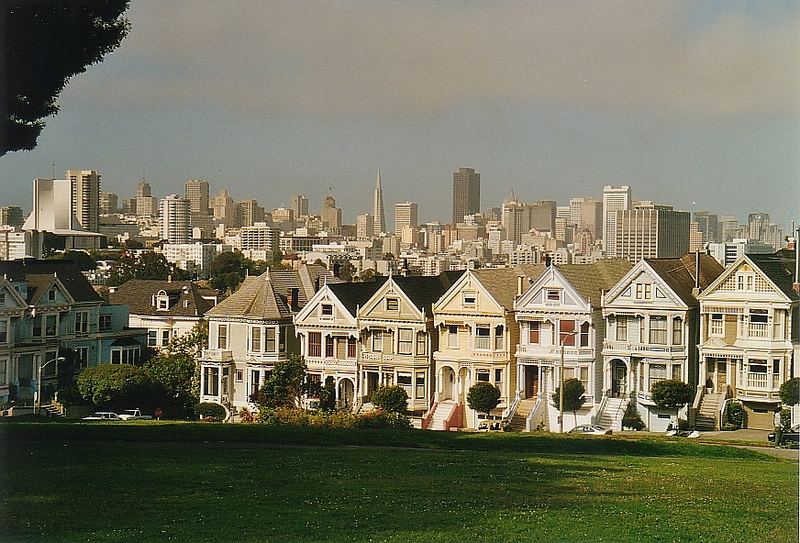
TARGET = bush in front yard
x,y
734,414
393,399
210,410
631,418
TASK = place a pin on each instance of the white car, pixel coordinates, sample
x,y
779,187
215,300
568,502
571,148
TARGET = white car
x,y
134,414
102,415
591,429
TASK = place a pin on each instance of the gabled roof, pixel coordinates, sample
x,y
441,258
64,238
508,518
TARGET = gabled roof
x,y
38,275
353,295
501,283
256,298
138,294
424,291
779,267
308,279
679,274
591,280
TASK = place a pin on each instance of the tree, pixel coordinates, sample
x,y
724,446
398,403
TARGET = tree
x,y
81,259
671,394
392,399
327,395
368,275
483,397
149,265
228,269
790,391
573,397
116,386
173,376
286,386
47,43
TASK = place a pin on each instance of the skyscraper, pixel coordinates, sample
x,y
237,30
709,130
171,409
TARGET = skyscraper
x,y
175,219
224,209
708,224
109,203
330,214
405,214
300,205
365,226
86,197
143,189
11,216
379,221
196,191
249,212
651,231
614,200
466,193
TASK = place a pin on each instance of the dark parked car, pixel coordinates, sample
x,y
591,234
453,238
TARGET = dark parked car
x,y
789,436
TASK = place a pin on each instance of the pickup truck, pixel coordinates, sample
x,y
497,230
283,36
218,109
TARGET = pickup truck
x,y
134,414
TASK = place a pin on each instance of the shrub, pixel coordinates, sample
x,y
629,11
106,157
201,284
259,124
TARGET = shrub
x,y
573,397
483,397
377,419
211,410
116,386
631,418
790,391
786,418
393,399
245,415
734,414
671,394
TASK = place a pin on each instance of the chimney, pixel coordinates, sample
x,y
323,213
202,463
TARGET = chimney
x,y
294,298
520,284
548,260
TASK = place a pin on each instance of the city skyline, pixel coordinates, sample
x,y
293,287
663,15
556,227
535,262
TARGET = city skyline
x,y
693,105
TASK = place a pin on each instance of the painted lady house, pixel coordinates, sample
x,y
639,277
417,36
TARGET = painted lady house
x,y
652,330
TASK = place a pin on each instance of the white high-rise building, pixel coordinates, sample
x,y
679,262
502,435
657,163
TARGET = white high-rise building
x,y
614,199
379,221
86,197
52,206
576,211
365,226
405,214
176,219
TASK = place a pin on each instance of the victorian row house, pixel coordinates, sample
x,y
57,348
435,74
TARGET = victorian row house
x,y
748,336
51,315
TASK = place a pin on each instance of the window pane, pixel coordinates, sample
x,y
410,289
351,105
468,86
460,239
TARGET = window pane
x,y
255,339
315,344
533,334
269,340
565,329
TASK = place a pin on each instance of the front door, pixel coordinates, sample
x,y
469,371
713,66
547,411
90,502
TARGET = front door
x,y
531,381
722,377
373,380
619,385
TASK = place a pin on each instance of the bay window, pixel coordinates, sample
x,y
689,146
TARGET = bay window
x,y
658,330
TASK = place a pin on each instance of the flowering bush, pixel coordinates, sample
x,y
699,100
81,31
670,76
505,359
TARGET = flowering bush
x,y
288,416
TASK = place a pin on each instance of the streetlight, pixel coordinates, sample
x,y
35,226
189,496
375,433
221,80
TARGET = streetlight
x,y
561,378
39,380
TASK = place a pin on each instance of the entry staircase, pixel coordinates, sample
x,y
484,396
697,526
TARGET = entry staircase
x,y
441,414
611,414
707,418
524,408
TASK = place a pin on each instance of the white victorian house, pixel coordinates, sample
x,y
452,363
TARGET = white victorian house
x,y
652,330
748,334
328,330
560,313
477,342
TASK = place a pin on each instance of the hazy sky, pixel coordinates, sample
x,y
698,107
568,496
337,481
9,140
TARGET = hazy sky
x,y
695,104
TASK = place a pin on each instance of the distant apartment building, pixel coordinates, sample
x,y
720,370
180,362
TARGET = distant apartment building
x,y
466,193
194,258
405,214
260,240
16,243
175,219
727,253
53,211
249,213
86,197
650,232
11,216
614,199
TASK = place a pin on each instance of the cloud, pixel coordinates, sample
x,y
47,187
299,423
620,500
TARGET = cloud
x,y
411,59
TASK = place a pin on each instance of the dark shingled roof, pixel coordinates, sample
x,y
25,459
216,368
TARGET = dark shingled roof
x,y
679,274
590,280
424,291
779,267
354,295
138,294
257,298
38,274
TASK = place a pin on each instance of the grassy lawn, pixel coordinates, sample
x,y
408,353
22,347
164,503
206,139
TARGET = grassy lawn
x,y
203,482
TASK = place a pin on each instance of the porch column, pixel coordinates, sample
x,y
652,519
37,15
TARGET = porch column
x,y
219,383
336,388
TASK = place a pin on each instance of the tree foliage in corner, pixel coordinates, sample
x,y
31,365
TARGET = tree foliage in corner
x,y
286,385
573,397
671,394
790,391
392,399
47,43
483,397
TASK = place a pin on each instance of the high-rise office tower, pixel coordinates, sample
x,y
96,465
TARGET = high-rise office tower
x,y
11,216
614,199
52,206
109,203
650,231
86,197
249,213
592,216
365,226
300,205
728,228
708,224
175,219
576,211
143,189
379,221
542,215
405,214
224,208
466,193
757,224
330,214
196,191
515,218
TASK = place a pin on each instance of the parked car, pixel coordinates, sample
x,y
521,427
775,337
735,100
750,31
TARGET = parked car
x,y
103,415
591,429
134,414
492,426
790,436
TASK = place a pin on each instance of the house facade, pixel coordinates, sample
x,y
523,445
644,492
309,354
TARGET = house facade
x,y
652,330
477,342
46,308
748,334
561,312
166,309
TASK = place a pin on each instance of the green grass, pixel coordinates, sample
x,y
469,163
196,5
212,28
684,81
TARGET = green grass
x,y
204,482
